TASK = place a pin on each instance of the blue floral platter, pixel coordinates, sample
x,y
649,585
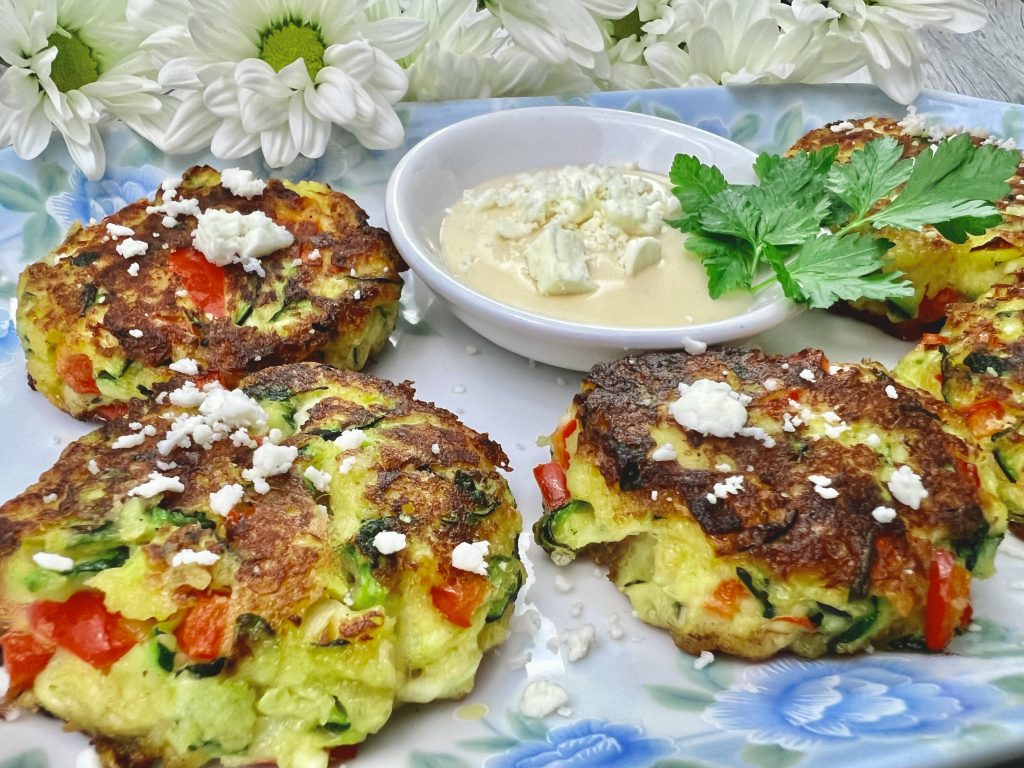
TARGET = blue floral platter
x,y
635,701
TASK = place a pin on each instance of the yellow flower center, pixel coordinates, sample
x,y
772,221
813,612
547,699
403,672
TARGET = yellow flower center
x,y
628,26
284,43
75,64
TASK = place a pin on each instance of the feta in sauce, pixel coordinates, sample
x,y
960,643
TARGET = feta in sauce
x,y
582,243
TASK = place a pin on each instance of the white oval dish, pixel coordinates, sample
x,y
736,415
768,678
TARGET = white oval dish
x,y
433,175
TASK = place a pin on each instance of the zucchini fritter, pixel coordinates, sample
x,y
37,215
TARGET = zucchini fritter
x,y
257,575
941,271
976,365
103,317
752,504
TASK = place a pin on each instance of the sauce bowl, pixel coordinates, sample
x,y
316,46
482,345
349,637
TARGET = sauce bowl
x,y
434,174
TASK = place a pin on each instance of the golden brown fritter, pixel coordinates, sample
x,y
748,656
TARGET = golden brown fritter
x,y
100,328
941,272
804,530
277,566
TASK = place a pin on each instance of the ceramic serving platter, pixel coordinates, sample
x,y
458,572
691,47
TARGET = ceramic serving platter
x,y
635,700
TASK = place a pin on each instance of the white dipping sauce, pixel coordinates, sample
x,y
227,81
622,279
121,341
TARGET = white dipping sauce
x,y
485,236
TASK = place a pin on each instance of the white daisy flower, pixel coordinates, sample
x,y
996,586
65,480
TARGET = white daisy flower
x,y
465,54
559,31
277,75
70,65
702,42
885,31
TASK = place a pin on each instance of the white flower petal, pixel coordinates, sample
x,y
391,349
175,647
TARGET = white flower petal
x,y
259,113
309,133
278,147
89,156
191,126
180,73
258,76
333,99
230,140
30,132
396,37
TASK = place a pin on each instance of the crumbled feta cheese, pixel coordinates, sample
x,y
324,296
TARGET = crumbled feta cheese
x,y
820,480
873,440
771,384
131,248
156,485
471,557
119,230
128,441
240,438
51,562
135,333
664,452
320,480
49,498
346,465
231,237
843,126
94,468
234,408
710,407
694,346
350,439
890,392
883,514
242,182
133,269
906,487
389,542
185,365
269,460
192,557
579,641
826,493
541,698
224,500
706,658
166,466
731,486
435,449
807,375
723,467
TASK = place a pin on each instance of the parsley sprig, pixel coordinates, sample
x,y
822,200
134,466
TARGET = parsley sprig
x,y
814,221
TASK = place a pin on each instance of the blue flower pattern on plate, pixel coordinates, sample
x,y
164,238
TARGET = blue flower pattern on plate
x,y
88,200
799,705
587,744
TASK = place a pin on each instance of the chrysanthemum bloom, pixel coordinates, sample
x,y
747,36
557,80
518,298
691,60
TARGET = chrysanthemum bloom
x,y
279,74
71,64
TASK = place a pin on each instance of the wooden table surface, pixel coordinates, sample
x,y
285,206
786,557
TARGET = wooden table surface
x,y
988,63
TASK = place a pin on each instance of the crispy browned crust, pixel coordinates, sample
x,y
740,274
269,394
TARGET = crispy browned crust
x,y
356,274
778,520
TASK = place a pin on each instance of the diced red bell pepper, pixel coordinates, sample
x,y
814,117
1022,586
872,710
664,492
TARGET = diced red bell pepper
x,y
202,632
553,486
203,280
83,626
949,599
459,597
76,371
725,601
25,656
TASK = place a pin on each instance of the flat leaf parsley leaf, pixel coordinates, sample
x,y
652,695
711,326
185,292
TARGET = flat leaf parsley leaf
x,y
812,222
